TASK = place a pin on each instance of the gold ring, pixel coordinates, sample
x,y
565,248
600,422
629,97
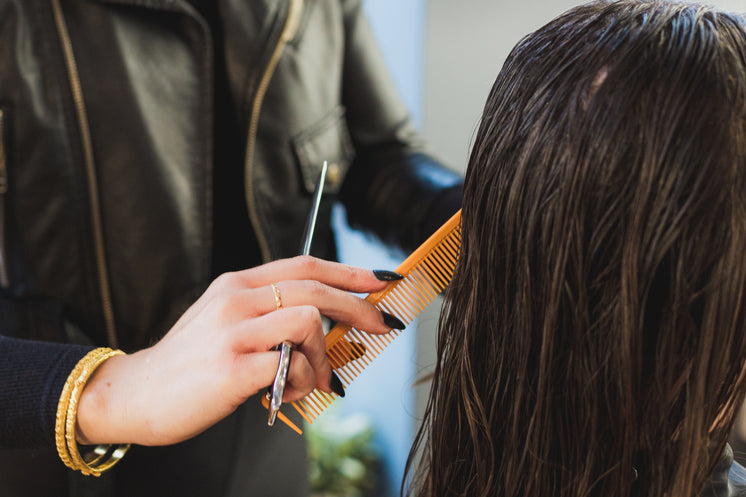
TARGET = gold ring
x,y
278,300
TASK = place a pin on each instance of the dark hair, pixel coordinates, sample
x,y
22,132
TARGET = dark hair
x,y
593,339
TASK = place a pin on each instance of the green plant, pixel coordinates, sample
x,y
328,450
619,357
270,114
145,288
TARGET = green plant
x,y
343,459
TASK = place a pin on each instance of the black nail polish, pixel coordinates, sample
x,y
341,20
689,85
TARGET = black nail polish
x,y
392,321
385,275
357,349
336,385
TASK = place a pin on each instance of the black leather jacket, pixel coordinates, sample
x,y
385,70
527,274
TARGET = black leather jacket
x,y
105,178
106,195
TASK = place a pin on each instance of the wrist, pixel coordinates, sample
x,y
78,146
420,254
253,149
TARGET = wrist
x,y
101,409
102,457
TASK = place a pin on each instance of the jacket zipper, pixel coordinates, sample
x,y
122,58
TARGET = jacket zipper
x,y
288,32
4,280
93,194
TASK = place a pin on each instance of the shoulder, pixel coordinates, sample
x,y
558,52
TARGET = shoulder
x,y
728,478
737,480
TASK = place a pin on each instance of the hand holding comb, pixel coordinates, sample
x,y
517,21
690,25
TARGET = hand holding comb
x,y
427,271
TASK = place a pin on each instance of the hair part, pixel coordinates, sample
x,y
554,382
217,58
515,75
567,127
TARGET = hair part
x,y
592,340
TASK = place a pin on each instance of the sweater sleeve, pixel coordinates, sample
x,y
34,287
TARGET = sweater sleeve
x,y
32,375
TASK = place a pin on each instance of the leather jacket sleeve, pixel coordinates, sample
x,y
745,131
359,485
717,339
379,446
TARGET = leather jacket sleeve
x,y
393,187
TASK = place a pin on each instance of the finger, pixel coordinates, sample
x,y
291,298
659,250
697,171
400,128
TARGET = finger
x,y
334,274
220,287
258,369
303,267
301,378
332,302
300,325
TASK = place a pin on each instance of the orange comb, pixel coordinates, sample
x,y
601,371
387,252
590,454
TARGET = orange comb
x,y
427,271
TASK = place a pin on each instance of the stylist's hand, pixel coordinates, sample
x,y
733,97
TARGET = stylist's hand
x,y
218,353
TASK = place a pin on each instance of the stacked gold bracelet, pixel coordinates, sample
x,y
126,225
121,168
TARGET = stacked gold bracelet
x,y
101,457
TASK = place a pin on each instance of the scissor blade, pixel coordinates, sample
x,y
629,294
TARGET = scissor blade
x,y
311,223
276,391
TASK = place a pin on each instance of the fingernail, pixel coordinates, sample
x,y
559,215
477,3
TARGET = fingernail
x,y
357,349
384,275
392,321
336,385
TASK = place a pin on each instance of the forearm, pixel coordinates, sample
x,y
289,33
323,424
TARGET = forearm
x,y
401,197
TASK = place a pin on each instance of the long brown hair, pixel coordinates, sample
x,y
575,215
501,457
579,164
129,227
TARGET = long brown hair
x,y
593,340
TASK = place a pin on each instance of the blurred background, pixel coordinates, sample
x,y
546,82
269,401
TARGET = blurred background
x,y
443,56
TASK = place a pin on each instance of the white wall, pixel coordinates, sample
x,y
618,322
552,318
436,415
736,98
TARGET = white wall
x,y
466,43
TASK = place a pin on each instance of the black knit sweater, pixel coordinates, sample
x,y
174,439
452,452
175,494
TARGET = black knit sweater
x,y
32,375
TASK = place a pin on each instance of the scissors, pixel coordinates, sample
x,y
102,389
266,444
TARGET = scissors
x,y
276,391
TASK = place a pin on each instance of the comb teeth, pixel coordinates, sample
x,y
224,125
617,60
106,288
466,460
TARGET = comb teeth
x,y
426,272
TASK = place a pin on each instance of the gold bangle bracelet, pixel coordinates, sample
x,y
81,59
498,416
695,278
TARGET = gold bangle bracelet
x,y
59,426
67,415
89,366
62,406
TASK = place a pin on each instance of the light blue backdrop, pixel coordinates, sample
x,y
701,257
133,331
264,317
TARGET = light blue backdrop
x,y
383,392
